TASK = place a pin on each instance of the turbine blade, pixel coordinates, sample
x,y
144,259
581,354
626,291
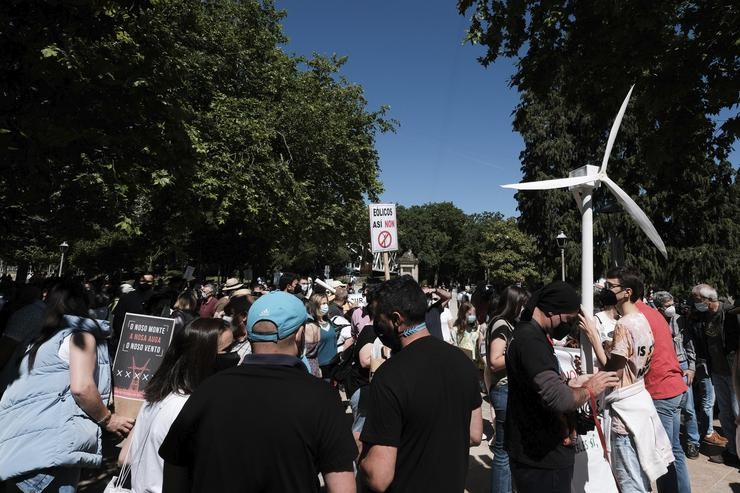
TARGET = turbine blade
x,y
637,214
614,130
550,184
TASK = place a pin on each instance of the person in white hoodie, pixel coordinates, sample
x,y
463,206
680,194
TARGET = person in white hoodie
x,y
629,354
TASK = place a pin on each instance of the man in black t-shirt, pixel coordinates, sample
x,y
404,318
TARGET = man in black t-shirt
x,y
292,426
539,417
423,411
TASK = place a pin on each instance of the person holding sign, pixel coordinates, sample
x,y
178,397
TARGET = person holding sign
x,y
541,405
51,416
190,359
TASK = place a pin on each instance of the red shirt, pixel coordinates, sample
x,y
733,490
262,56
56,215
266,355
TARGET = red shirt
x,y
208,308
664,379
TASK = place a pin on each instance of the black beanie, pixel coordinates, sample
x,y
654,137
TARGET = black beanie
x,y
557,297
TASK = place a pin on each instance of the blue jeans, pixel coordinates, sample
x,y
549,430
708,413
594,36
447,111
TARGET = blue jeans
x,y
52,480
358,418
626,465
705,413
500,471
687,407
677,477
728,409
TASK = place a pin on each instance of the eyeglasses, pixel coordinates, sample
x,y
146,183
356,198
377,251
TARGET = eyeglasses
x,y
609,285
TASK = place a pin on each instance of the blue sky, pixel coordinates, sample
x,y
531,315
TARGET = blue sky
x,y
455,141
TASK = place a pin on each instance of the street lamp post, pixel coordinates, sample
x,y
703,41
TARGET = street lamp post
x,y
63,246
562,239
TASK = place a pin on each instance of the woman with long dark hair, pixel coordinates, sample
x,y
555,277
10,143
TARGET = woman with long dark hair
x,y
51,416
499,333
190,359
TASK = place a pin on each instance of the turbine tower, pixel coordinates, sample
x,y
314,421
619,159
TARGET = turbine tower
x,y
582,182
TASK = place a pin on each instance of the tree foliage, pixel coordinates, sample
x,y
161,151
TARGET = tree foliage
x,y
454,246
576,61
148,133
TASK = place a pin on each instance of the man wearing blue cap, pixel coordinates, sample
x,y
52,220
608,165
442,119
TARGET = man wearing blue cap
x,y
293,426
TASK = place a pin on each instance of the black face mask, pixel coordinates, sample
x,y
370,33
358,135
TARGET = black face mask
x,y
224,361
564,329
607,297
389,338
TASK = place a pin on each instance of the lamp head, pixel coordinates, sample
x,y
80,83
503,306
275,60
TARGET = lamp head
x,y
561,239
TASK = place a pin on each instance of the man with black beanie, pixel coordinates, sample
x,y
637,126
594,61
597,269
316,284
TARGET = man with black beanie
x,y
539,439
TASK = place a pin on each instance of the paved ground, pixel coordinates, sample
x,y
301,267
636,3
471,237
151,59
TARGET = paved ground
x,y
706,477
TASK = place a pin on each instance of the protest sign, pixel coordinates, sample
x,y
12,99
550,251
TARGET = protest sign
x,y
591,472
143,342
356,299
383,228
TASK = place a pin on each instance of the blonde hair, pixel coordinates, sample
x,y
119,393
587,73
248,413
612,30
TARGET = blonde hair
x,y
314,303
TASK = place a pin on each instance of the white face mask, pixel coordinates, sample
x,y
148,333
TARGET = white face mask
x,y
471,319
324,309
670,312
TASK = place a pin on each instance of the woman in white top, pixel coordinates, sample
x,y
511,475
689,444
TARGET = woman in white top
x,y
190,359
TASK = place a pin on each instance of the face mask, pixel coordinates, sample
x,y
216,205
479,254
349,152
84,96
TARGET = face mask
x,y
471,319
702,307
563,329
389,337
670,312
324,309
607,297
304,287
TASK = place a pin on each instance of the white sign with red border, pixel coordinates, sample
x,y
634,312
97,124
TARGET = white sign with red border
x,y
383,231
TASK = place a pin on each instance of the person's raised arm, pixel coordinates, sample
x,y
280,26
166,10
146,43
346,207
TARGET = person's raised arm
x,y
588,327
444,295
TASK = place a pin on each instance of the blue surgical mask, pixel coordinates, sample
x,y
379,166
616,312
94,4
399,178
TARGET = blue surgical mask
x,y
702,307
324,309
471,319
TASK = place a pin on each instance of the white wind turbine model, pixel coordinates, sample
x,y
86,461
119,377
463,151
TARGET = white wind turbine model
x,y
583,181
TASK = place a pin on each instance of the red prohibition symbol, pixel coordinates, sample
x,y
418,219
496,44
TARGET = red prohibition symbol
x,y
384,239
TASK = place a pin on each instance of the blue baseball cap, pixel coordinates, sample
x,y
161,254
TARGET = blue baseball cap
x,y
281,308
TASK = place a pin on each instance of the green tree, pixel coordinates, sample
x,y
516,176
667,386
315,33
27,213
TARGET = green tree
x,y
576,61
432,232
509,253
161,133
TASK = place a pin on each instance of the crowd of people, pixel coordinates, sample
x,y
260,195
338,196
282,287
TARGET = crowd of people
x,y
254,389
